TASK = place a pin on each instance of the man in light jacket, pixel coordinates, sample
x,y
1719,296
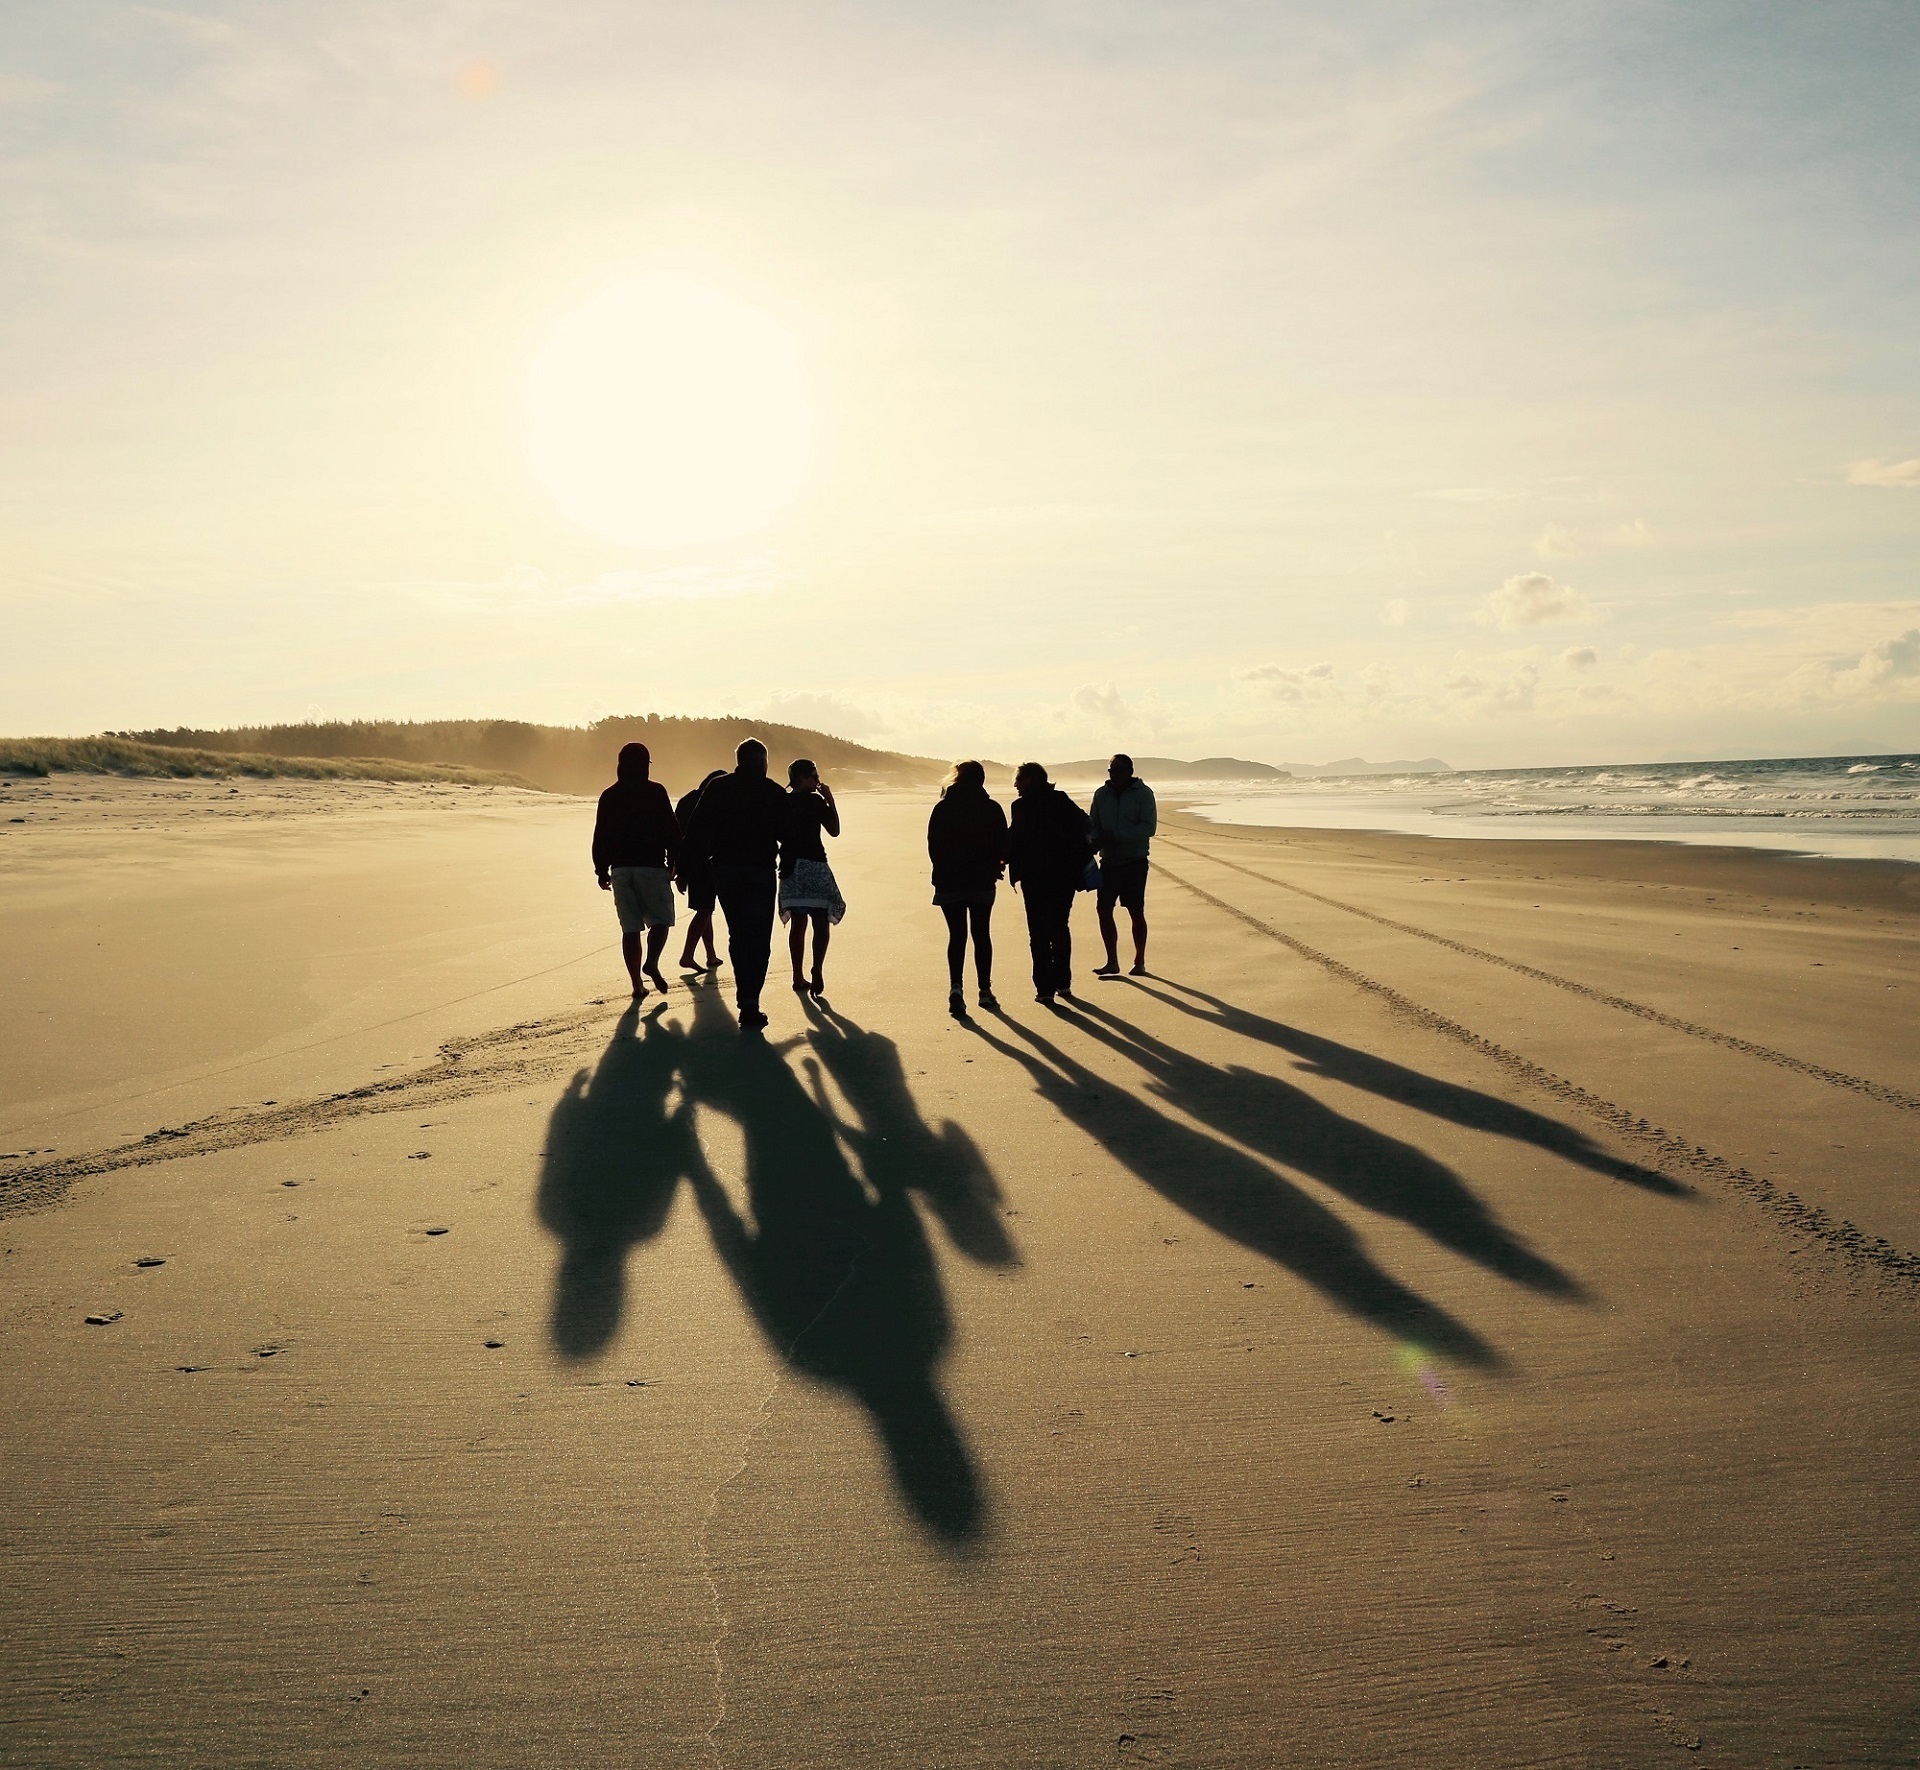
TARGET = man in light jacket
x,y
1123,818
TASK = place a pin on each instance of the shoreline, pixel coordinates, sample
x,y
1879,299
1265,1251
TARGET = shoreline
x,y
1186,806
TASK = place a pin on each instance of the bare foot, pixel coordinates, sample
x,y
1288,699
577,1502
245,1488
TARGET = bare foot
x,y
658,982
818,985
1140,970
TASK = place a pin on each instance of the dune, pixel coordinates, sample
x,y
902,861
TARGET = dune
x,y
1458,1309
129,759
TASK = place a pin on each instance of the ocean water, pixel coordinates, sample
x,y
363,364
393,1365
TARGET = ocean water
x,y
1845,807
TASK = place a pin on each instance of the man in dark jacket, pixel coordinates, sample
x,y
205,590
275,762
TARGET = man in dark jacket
x,y
1124,819
1047,858
636,846
736,830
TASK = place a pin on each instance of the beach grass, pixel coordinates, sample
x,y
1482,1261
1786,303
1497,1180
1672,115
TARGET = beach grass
x,y
124,757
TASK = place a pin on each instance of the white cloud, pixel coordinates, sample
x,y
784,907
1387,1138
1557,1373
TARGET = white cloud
x,y
1107,704
1580,657
1533,600
1630,534
1895,657
1515,695
823,712
1395,613
1884,473
1885,668
1314,683
1555,542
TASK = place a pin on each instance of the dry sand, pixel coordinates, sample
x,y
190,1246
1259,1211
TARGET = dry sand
x,y
1460,1311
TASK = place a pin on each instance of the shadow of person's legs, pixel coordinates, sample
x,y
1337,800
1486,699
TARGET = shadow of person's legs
x,y
898,1150
1290,1126
1241,1198
1429,1094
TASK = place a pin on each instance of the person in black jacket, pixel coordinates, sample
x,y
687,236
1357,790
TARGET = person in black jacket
x,y
1047,857
636,849
696,880
967,842
736,830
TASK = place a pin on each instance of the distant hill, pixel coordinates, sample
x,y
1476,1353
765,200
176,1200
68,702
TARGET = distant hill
x,y
563,758
1169,768
1350,765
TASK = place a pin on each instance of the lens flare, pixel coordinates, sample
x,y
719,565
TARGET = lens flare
x,y
1413,1362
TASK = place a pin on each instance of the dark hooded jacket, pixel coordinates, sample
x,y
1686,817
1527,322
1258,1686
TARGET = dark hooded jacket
x,y
635,827
966,839
1049,843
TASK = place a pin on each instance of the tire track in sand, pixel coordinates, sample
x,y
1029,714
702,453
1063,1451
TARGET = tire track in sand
x,y
1670,1152
484,1063
1834,1078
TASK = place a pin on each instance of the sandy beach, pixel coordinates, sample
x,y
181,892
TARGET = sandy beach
x,y
1459,1310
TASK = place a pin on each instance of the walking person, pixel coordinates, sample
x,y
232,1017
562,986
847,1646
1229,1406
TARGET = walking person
x,y
695,878
967,843
1047,855
636,848
736,829
808,894
1124,819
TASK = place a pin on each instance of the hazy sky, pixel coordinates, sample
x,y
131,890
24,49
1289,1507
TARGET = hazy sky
x,y
1514,383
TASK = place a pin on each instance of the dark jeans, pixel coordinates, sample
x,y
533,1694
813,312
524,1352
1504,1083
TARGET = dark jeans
x,y
746,899
1049,910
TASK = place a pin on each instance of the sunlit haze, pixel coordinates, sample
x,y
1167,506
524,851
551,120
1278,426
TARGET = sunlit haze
x,y
1511,384
663,413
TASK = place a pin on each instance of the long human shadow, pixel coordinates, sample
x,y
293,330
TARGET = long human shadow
x,y
840,1275
1240,1197
616,1151
1290,1126
1429,1094
897,1149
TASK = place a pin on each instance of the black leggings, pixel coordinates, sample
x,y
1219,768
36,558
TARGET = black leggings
x,y
958,915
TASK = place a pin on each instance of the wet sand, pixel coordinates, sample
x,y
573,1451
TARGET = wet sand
x,y
1459,1310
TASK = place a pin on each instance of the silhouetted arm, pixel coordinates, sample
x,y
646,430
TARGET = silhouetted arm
x,y
602,841
670,833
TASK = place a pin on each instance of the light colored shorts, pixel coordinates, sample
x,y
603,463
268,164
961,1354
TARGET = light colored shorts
x,y
642,897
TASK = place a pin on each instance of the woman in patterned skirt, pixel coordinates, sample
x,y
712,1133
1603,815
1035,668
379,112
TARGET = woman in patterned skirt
x,y
808,894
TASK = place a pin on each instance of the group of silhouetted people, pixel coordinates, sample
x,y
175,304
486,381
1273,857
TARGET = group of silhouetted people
x,y
742,843
737,840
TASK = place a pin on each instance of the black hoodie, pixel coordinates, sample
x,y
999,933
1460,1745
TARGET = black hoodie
x,y
1049,843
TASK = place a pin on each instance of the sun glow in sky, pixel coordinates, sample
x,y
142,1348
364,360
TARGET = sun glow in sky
x,y
1514,383
663,413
